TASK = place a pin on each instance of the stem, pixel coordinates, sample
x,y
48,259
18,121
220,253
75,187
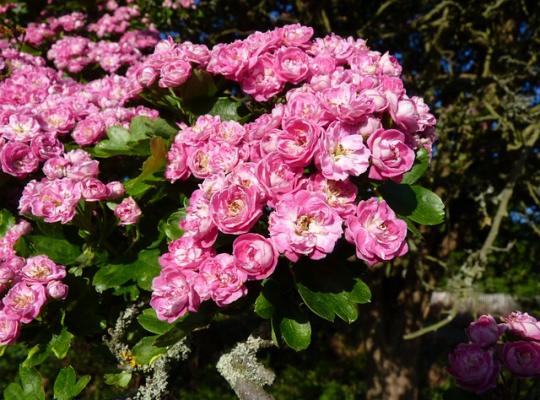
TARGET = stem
x,y
431,328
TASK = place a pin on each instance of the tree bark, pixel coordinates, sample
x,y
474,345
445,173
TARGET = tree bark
x,y
399,306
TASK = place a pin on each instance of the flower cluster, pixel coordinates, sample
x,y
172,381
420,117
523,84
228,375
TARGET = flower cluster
x,y
115,23
25,284
69,178
38,107
74,53
292,167
176,4
476,365
37,33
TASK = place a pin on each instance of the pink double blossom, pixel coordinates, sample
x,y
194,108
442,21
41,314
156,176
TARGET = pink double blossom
x,y
303,224
376,232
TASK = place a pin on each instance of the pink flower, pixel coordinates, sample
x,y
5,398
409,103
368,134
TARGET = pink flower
x,y
17,159
20,127
220,280
405,114
173,295
195,53
297,144
55,168
23,302
93,189
245,174
474,368
54,200
297,35
376,232
9,329
390,156
485,331
57,290
198,161
146,75
174,73
205,127
58,120
340,195
223,157
522,358
524,325
345,103
116,189
235,209
291,64
230,132
41,269
230,60
303,224
128,212
89,131
276,177
255,255
45,146
303,104
185,253
342,152
262,81
198,222
388,65
322,64
80,165
177,163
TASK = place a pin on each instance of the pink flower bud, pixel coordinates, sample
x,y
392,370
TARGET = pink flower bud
x,y
485,331
255,255
57,290
128,212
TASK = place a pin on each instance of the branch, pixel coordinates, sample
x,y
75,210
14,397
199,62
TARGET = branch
x,y
244,372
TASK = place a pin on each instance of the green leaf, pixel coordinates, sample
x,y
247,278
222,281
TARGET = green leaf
x,y
421,164
31,383
36,356
59,250
331,289
7,220
141,271
289,322
139,185
270,295
171,227
120,142
121,379
61,343
296,330
145,352
66,385
142,127
14,392
226,108
149,321
200,84
414,202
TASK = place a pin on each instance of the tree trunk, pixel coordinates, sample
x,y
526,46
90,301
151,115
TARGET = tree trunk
x,y
398,308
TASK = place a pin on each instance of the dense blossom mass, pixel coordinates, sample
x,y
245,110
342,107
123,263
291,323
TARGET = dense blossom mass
x,y
297,167
25,284
292,182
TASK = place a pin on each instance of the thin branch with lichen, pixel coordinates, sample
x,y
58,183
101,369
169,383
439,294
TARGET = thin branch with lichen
x,y
246,375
